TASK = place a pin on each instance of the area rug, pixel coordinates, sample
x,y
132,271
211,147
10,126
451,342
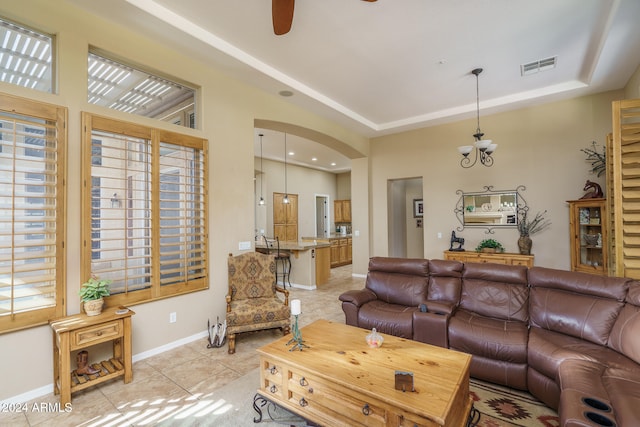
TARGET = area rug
x,y
505,407
232,406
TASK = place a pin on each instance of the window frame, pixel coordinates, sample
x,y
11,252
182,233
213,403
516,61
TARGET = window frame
x,y
59,115
155,290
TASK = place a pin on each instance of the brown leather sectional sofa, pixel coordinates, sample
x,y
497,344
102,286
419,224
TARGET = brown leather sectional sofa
x,y
571,339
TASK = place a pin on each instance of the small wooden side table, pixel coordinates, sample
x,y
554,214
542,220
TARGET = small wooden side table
x,y
81,331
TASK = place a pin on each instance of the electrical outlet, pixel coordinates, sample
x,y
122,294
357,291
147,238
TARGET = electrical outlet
x,y
439,235
243,246
173,318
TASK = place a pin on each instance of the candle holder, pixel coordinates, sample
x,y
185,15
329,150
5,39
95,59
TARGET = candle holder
x,y
297,341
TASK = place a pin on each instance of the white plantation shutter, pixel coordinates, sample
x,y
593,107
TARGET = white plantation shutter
x,y
32,199
145,190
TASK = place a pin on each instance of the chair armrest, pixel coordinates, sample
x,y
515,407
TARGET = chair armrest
x,y
358,297
285,292
439,307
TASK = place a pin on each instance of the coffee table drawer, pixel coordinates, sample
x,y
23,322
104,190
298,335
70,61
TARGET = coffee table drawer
x,y
271,379
317,397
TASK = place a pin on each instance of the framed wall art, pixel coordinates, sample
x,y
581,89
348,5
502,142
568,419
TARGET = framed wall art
x,y
418,208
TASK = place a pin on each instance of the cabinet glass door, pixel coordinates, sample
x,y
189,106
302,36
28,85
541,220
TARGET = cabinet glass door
x,y
590,237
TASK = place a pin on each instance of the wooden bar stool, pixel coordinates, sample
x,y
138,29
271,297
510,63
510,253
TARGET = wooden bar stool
x,y
283,260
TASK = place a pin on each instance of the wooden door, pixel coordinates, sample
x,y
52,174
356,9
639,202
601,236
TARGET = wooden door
x,y
285,217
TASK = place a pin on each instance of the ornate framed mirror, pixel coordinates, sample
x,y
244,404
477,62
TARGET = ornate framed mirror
x,y
490,208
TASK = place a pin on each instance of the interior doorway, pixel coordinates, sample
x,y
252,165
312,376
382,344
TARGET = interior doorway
x,y
322,215
405,227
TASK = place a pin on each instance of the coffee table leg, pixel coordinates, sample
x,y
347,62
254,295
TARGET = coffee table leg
x,y
258,403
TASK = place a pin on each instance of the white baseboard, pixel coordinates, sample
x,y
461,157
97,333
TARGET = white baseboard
x,y
47,389
364,276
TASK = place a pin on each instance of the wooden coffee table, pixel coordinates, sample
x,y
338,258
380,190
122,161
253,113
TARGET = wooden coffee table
x,y
339,380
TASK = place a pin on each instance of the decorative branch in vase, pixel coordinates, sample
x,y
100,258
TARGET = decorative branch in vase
x,y
528,227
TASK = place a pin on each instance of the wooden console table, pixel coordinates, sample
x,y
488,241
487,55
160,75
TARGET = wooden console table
x,y
81,331
497,258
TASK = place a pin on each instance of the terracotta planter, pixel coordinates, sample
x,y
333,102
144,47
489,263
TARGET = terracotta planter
x,y
93,307
489,250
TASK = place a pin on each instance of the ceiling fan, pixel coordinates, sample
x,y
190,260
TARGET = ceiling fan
x,y
282,12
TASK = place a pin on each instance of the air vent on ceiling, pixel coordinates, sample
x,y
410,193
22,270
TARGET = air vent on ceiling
x,y
537,66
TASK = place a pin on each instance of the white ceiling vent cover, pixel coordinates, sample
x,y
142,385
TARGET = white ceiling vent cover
x,y
537,66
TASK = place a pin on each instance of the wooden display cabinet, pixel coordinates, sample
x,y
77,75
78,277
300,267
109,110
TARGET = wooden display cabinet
x,y
588,236
494,258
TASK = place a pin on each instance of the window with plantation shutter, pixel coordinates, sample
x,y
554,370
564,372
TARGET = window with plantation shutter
x,y
32,203
145,190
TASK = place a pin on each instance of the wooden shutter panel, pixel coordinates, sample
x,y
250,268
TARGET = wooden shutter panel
x,y
626,187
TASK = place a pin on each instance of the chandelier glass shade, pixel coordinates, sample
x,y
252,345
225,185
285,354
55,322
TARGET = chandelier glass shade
x,y
483,148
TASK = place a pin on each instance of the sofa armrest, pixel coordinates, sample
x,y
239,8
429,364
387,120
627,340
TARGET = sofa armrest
x,y
440,307
358,297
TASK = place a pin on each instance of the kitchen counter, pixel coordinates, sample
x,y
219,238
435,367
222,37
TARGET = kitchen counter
x,y
331,237
310,261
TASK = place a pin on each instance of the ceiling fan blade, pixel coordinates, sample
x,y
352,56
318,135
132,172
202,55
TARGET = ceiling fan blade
x,y
282,12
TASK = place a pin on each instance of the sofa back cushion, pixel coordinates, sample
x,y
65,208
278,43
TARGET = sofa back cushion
x,y
624,334
445,281
578,304
402,281
495,290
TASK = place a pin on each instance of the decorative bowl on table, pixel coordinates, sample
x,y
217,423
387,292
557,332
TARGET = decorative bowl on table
x,y
374,339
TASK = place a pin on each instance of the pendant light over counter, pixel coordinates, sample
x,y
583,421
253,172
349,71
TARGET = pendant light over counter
x,y
261,201
285,200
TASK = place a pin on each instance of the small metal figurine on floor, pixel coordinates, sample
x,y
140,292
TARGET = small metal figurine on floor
x,y
297,335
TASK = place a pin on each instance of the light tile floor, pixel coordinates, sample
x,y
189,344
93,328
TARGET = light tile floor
x,y
183,374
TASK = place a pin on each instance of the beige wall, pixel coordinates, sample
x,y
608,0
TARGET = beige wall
x,y
632,89
539,148
227,113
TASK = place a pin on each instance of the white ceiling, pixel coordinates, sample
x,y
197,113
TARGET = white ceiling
x,y
395,65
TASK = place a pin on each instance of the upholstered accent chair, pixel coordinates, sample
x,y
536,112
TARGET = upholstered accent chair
x,y
252,302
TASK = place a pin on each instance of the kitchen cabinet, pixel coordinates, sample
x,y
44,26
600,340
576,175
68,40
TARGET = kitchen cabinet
x,y
285,217
341,248
588,238
342,211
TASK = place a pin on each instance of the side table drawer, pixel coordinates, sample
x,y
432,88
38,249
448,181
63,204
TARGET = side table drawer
x,y
96,334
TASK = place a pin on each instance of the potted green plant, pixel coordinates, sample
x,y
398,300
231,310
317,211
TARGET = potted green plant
x,y
92,293
489,245
528,227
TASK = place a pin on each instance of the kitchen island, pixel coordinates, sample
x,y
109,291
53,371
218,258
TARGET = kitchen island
x,y
341,247
310,262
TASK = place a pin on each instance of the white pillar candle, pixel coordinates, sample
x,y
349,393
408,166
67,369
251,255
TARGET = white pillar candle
x,y
295,307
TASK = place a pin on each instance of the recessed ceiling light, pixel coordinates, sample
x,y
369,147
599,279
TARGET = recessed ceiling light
x,y
314,159
291,153
285,93
333,163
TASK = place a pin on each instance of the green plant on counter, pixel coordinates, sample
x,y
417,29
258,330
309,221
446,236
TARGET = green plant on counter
x,y
490,244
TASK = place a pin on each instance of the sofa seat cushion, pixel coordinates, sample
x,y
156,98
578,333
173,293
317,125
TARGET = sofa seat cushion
x,y
591,387
495,339
547,350
392,319
623,387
